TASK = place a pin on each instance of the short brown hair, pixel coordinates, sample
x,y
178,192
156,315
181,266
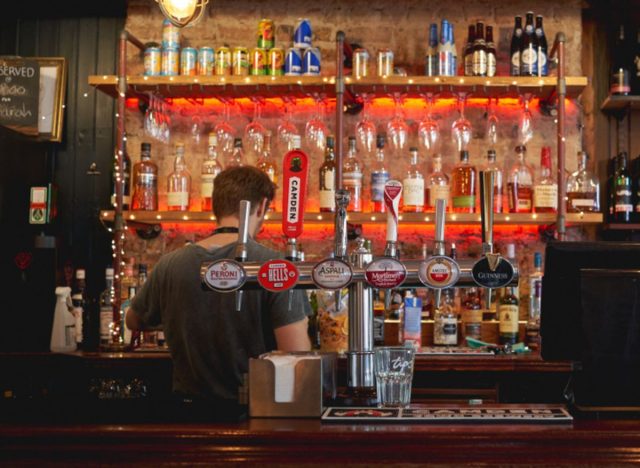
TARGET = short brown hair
x,y
240,183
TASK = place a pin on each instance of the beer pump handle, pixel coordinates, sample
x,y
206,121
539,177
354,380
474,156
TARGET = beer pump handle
x,y
486,216
392,194
243,238
439,243
342,199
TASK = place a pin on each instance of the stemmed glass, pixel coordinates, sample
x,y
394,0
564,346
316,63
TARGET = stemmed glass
x,y
366,129
492,125
157,122
286,128
225,131
428,129
397,128
254,131
461,128
316,131
525,122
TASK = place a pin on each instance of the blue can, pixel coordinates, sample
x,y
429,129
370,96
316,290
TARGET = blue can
x,y
311,62
302,34
188,61
293,62
206,61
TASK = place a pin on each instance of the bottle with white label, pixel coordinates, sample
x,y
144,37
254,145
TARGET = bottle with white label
x,y
583,188
327,178
179,183
379,176
445,327
63,332
520,184
413,186
543,65
437,186
545,191
529,51
106,310
509,310
210,169
516,45
352,177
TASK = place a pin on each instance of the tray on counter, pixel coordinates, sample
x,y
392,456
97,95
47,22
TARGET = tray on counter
x,y
453,350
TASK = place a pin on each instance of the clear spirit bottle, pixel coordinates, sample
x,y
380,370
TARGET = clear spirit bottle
x,y
583,188
463,185
126,171
413,186
267,165
210,169
545,192
437,186
379,176
492,166
520,184
145,180
352,177
179,183
327,178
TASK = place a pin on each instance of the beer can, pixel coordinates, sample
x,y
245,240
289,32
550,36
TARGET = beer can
x,y
170,62
258,61
170,35
222,64
240,61
302,34
188,61
293,62
360,61
275,62
205,61
384,62
152,61
266,33
311,62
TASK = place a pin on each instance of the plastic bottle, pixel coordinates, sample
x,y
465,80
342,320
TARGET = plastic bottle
x,y
63,332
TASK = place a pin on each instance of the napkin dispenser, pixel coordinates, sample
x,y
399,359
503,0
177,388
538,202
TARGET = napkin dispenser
x,y
291,384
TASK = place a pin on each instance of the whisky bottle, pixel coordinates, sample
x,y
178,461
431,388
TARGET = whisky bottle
x,y
413,186
516,45
529,51
352,177
479,52
145,180
583,188
327,178
437,186
106,311
520,184
491,53
620,67
463,185
623,192
472,314
379,177
508,310
210,169
492,166
267,165
545,191
179,183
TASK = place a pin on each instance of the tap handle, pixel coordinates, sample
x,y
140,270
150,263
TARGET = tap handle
x,y
392,194
342,201
486,207
238,300
243,231
439,247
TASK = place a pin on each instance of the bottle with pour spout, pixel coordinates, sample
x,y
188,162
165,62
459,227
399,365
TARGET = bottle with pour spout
x,y
63,332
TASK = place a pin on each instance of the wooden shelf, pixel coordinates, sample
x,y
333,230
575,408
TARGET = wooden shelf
x,y
620,103
267,86
508,219
621,227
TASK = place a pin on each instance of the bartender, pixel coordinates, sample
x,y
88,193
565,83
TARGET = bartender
x,y
209,341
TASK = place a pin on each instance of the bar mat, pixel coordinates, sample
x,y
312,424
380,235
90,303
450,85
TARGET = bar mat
x,y
453,350
495,415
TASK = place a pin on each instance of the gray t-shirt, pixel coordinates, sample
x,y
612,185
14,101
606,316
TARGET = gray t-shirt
x,y
211,343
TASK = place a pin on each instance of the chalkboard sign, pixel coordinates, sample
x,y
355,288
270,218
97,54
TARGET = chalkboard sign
x,y
20,94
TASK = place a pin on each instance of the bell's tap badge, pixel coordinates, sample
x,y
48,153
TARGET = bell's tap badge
x,y
278,275
385,273
296,172
223,275
439,272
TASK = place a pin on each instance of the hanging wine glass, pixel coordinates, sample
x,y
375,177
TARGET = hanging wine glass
x,y
316,131
286,128
397,128
525,122
492,125
428,129
224,131
461,128
366,129
254,131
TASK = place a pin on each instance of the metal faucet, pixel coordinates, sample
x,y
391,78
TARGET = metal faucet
x,y
242,253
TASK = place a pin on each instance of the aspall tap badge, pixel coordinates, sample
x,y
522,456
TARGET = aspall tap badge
x,y
439,272
385,273
296,170
278,275
223,275
331,274
492,271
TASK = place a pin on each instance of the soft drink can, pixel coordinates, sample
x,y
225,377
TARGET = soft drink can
x,y
188,61
170,62
205,61
222,64
384,62
302,34
266,29
258,61
293,62
360,61
240,61
170,35
152,61
311,62
275,62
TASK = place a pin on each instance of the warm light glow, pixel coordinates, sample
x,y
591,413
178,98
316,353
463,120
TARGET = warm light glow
x,y
180,9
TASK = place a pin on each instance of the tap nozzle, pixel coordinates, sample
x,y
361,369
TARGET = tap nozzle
x,y
342,201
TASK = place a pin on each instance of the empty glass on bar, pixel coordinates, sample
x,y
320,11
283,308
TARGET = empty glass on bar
x,y
394,373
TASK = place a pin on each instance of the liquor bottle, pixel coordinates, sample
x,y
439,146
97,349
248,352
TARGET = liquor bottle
x,y
545,191
516,45
472,314
463,185
413,186
145,181
583,188
327,179
612,171
431,59
535,301
492,166
445,327
437,186
126,170
491,52
453,71
479,52
106,310
508,310
623,191
620,67
295,143
379,177
468,51
179,183
210,169
267,165
520,184
78,300
445,52
529,51
635,68
543,65
236,158
352,177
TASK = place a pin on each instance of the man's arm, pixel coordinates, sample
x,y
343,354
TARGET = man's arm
x,y
293,337
132,320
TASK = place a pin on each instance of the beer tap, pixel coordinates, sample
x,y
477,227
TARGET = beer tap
x,y
439,247
486,215
392,194
241,253
342,198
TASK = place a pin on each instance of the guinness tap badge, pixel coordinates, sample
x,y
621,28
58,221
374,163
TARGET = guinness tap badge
x,y
492,271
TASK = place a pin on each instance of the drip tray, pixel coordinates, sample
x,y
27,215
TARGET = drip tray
x,y
453,351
